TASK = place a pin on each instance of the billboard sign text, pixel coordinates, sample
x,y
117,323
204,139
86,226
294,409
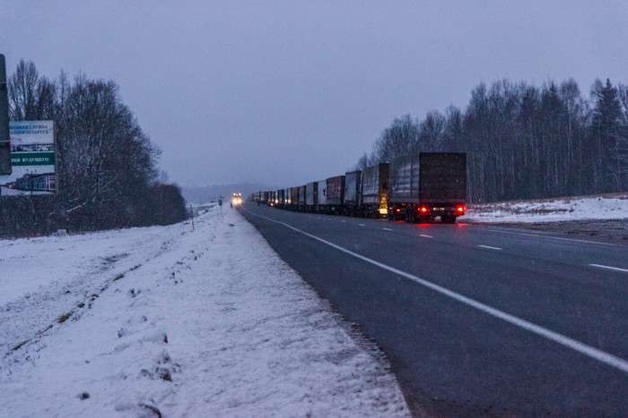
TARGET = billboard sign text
x,y
32,159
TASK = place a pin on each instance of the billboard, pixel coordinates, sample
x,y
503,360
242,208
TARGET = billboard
x,y
32,159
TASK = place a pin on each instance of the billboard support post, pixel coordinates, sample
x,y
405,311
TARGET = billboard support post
x,y
5,146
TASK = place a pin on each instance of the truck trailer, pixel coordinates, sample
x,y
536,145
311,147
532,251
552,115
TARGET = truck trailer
x,y
428,185
293,201
311,196
302,198
321,196
374,199
352,193
335,194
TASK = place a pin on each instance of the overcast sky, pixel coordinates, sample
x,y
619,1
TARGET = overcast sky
x,y
287,92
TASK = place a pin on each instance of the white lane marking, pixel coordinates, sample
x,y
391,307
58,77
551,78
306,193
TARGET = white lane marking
x,y
582,348
342,220
551,237
425,236
361,225
601,266
488,247
387,229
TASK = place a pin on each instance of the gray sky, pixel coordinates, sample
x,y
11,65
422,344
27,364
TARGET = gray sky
x,y
286,92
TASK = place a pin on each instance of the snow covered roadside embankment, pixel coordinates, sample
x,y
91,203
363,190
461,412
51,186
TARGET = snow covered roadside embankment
x,y
179,322
606,207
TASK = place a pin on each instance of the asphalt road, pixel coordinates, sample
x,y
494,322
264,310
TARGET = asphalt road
x,y
475,320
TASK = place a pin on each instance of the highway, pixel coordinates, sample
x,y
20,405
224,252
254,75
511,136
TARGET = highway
x,y
475,320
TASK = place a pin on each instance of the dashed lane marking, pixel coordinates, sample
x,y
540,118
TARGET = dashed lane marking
x,y
426,236
387,229
488,247
601,266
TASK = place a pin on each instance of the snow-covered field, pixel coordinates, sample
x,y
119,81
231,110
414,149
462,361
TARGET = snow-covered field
x,y
176,321
551,210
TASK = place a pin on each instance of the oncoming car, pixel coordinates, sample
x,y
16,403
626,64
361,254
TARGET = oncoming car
x,y
236,199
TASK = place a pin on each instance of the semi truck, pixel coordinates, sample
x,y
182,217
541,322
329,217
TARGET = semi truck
x,y
335,194
293,200
374,198
352,193
301,201
311,196
428,185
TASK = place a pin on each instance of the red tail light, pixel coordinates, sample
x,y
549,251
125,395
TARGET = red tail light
x,y
423,209
461,209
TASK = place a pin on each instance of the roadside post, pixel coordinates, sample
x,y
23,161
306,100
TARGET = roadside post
x,y
193,215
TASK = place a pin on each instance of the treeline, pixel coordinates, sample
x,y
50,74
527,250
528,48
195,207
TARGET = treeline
x,y
107,176
525,141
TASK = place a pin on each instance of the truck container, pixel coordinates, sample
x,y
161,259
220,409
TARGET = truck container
x,y
311,192
294,198
286,198
301,201
374,199
279,201
335,193
428,185
321,196
351,204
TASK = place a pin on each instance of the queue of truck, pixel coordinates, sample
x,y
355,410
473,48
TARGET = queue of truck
x,y
416,188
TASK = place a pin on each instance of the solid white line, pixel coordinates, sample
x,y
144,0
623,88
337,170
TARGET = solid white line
x,y
425,236
551,237
563,340
609,268
488,247
387,229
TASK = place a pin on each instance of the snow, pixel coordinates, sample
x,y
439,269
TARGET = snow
x,y
551,210
186,320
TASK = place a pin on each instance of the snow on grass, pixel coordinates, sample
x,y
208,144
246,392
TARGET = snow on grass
x,y
168,320
551,210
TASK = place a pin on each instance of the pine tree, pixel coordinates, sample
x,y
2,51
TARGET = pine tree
x,y
606,129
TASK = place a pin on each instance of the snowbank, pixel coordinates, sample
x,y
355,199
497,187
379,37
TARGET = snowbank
x,y
176,321
551,210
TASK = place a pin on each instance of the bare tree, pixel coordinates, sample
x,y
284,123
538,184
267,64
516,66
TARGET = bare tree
x,y
363,162
31,97
431,130
400,138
